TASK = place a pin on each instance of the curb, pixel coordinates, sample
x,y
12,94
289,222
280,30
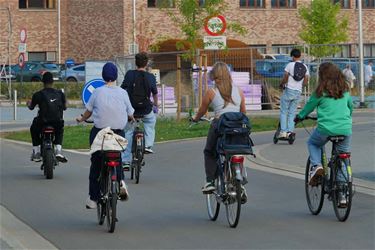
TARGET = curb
x,y
19,235
360,185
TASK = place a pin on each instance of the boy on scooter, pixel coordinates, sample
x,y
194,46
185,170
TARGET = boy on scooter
x,y
296,75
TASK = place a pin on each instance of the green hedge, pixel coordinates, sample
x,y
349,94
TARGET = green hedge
x,y
26,89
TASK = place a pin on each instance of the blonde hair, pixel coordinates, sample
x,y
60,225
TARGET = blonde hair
x,y
223,81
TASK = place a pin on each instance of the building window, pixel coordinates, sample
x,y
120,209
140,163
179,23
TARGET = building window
x,y
345,4
260,48
282,49
37,4
160,3
344,51
369,50
283,3
251,3
367,4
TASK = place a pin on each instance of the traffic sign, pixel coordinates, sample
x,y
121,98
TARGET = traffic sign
x,y
21,60
22,47
23,35
215,25
89,88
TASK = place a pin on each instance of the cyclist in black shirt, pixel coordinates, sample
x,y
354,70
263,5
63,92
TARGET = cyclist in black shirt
x,y
51,103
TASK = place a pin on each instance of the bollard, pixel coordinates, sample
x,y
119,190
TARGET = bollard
x,y
163,99
15,106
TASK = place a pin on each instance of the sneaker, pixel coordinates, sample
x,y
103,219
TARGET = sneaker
x,y
124,195
342,200
315,172
148,150
282,135
126,166
243,195
60,157
36,157
209,187
90,204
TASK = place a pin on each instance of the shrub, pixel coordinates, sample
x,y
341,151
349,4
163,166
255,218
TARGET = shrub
x,y
26,89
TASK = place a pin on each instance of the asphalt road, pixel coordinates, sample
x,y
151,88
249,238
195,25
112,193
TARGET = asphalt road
x,y
167,210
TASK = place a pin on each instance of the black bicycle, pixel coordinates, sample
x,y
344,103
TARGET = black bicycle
x,y
339,190
48,152
109,189
138,150
231,177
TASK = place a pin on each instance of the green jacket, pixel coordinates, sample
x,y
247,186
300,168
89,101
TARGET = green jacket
x,y
334,115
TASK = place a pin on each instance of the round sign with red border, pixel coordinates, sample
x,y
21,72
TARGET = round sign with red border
x,y
23,35
215,25
21,60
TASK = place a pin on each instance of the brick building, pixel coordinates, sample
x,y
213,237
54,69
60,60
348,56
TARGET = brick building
x,y
103,29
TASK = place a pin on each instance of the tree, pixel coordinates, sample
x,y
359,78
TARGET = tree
x,y
191,18
322,25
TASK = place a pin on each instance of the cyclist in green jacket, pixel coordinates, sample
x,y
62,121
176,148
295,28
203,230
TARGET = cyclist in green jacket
x,y
334,112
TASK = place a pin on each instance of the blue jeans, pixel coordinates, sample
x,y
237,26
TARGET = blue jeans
x,y
288,106
149,122
317,141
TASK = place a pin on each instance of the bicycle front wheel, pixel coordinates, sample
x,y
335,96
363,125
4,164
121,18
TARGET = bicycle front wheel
x,y
314,194
233,199
111,207
213,205
100,212
342,191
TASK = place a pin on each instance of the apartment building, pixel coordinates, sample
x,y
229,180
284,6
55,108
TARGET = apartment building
x,y
102,29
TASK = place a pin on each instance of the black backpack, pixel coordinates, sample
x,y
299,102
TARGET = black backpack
x,y
233,129
140,92
299,71
51,109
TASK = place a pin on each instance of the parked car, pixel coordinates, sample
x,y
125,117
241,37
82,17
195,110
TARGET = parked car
x,y
271,67
74,73
7,72
33,71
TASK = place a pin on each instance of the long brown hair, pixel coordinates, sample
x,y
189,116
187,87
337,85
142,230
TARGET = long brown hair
x,y
331,81
223,81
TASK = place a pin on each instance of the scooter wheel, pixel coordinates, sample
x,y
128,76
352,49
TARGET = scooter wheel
x,y
275,139
291,139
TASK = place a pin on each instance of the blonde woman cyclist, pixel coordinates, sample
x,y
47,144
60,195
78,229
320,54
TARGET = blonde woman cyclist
x,y
223,97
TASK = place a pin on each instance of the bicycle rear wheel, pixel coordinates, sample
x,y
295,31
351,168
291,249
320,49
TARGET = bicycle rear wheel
x,y
213,205
345,188
111,206
48,163
233,200
314,194
137,169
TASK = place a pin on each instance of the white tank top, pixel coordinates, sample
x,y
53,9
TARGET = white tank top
x,y
218,102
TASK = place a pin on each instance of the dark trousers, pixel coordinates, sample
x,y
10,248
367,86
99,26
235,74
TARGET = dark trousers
x,y
96,161
210,153
36,130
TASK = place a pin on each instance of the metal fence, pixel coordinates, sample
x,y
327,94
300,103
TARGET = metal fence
x,y
258,75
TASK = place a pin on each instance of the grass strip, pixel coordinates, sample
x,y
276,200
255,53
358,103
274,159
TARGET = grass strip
x,y
77,137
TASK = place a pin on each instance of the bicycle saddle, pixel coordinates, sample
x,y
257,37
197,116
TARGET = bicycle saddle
x,y
336,138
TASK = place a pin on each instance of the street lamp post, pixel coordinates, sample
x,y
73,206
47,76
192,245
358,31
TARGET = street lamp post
x,y
360,33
